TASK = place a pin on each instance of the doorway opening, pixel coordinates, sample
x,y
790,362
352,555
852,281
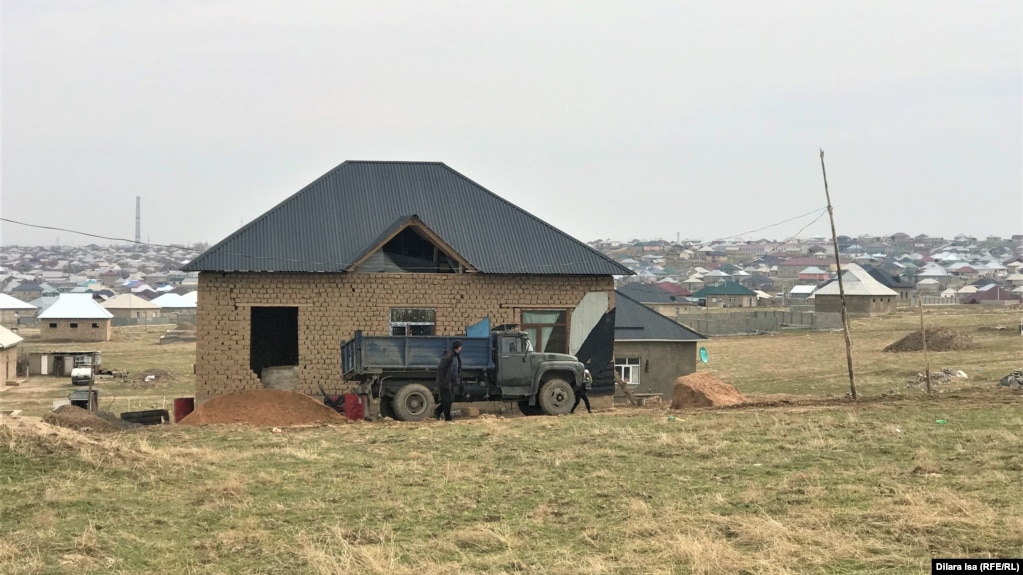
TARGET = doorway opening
x,y
273,338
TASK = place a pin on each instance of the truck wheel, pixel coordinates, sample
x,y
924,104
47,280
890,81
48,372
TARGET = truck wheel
x,y
556,397
527,409
414,402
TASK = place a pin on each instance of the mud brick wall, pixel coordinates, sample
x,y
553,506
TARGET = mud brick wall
x,y
332,306
84,332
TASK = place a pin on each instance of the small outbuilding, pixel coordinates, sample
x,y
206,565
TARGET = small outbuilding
x,y
8,354
651,351
12,309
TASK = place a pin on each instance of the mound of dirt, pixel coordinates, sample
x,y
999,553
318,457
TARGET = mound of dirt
x,y
74,417
703,390
264,407
938,339
32,437
157,374
185,327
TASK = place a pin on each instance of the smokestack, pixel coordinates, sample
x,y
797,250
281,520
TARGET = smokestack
x,y
138,221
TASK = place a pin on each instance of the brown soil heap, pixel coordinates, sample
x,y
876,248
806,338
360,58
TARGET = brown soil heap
x,y
269,407
74,417
703,390
938,339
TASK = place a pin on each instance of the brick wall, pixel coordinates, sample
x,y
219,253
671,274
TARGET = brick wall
x,y
332,306
84,332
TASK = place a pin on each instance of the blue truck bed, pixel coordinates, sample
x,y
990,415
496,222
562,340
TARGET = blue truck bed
x,y
367,355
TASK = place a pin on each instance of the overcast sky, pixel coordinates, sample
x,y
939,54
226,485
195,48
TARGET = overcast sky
x,y
606,119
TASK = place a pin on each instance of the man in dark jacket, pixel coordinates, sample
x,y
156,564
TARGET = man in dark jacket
x,y
449,375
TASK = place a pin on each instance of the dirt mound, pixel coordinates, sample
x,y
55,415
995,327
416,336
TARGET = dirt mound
x,y
157,374
185,327
74,417
269,407
703,390
938,339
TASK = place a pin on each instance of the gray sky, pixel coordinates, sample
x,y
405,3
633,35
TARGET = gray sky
x,y
607,119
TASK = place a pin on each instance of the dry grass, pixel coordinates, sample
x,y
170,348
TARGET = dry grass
x,y
825,487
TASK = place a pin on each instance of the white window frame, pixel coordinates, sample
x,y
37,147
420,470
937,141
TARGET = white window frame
x,y
629,369
406,326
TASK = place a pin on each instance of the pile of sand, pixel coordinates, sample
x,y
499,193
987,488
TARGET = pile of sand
x,y
938,339
703,390
74,417
269,407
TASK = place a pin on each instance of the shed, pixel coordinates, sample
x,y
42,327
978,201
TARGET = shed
x,y
8,354
651,351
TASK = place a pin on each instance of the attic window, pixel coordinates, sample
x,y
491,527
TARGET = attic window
x,y
410,252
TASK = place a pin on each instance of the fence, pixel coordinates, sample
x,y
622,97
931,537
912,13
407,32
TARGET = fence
x,y
741,322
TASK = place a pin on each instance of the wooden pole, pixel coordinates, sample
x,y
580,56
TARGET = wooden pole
x,y
625,389
841,286
923,334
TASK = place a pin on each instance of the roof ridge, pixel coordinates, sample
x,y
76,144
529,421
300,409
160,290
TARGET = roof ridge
x,y
553,227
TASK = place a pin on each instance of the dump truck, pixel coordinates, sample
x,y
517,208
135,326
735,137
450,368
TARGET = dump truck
x,y
396,375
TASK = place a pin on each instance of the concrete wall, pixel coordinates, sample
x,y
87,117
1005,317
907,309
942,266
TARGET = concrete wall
x,y
856,305
87,330
332,306
662,362
740,322
8,364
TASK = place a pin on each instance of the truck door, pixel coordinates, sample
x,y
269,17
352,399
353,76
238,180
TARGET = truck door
x,y
513,367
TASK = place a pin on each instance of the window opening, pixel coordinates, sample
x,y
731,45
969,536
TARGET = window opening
x,y
413,321
547,329
628,369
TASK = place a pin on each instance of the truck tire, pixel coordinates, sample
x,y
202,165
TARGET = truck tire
x,y
556,397
413,402
527,409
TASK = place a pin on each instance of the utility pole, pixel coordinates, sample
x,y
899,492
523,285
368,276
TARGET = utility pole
x,y
841,286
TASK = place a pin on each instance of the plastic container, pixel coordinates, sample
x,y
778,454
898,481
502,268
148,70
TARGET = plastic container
x,y
182,407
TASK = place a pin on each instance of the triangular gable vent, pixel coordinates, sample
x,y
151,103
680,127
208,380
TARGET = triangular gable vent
x,y
410,246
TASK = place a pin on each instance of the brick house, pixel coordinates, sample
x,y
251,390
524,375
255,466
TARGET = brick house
x,y
864,295
728,294
75,317
387,248
12,308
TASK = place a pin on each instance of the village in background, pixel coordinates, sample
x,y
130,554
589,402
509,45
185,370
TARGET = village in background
x,y
77,293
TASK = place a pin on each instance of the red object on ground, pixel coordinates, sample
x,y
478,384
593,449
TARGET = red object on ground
x,y
355,406
182,407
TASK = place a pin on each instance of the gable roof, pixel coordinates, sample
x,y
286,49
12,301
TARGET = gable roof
x,y
856,281
173,300
635,321
887,280
650,293
727,288
75,306
10,302
345,214
8,338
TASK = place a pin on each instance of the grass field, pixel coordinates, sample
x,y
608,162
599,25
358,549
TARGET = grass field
x,y
828,486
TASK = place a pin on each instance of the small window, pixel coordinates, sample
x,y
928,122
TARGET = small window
x,y
547,329
628,369
95,325
53,326
413,321
74,326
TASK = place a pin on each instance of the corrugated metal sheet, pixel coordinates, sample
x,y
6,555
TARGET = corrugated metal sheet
x,y
75,306
328,224
635,321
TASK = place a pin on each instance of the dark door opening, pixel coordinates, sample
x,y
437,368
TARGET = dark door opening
x,y
273,338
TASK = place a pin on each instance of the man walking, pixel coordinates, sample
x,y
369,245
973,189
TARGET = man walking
x,y
449,375
580,392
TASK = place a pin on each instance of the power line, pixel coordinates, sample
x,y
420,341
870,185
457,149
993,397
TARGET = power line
x,y
54,228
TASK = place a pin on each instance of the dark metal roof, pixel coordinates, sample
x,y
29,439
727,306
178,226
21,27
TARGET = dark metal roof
x,y
327,225
886,279
649,293
635,321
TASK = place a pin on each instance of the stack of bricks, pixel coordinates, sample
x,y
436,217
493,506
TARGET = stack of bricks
x,y
331,307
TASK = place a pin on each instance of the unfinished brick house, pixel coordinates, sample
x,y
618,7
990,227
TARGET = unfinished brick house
x,y
75,317
388,248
